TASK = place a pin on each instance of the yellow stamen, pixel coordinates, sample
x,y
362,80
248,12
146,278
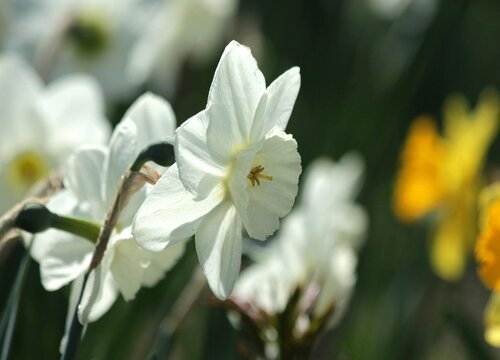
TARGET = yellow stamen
x,y
26,169
256,173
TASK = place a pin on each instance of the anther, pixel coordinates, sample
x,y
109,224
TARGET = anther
x,y
256,173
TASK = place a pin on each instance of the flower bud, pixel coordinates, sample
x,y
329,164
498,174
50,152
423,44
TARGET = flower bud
x,y
160,153
34,218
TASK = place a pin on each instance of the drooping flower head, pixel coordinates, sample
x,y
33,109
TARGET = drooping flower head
x,y
442,174
91,178
40,126
236,167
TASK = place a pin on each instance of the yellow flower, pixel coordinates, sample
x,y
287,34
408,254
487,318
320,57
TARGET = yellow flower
x,y
488,247
492,320
488,258
418,187
442,174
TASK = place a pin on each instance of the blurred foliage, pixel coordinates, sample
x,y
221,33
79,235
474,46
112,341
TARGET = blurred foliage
x,y
364,79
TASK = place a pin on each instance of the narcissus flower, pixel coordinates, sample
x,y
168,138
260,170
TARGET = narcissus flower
x,y
180,31
236,167
442,175
306,277
40,126
92,174
318,242
97,37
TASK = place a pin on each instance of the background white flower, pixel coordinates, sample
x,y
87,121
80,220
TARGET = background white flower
x,y
182,30
236,167
40,126
317,246
92,174
64,36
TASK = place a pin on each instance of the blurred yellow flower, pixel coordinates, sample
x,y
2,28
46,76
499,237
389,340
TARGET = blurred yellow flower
x,y
442,174
492,321
418,186
488,258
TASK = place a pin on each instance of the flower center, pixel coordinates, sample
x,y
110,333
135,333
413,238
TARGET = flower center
x,y
89,34
256,173
26,169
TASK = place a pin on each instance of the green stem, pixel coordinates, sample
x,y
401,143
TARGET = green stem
x,y
86,229
9,318
76,328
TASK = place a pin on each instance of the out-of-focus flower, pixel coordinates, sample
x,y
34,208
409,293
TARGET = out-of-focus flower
x,y
92,174
443,175
182,30
40,126
391,9
94,36
488,258
235,167
314,256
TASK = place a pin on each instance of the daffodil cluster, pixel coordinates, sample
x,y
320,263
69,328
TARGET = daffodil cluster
x,y
302,284
442,176
236,168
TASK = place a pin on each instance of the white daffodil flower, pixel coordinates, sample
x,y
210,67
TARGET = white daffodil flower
x,y
64,36
316,248
183,30
324,233
269,283
236,167
92,174
40,126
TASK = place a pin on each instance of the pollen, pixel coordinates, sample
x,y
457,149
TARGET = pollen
x,y
26,169
255,175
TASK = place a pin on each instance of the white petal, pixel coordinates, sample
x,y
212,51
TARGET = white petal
x,y
161,262
199,170
154,118
84,177
273,199
122,153
19,91
66,258
339,280
235,92
169,214
126,267
238,182
267,285
329,182
75,113
98,297
276,106
218,244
